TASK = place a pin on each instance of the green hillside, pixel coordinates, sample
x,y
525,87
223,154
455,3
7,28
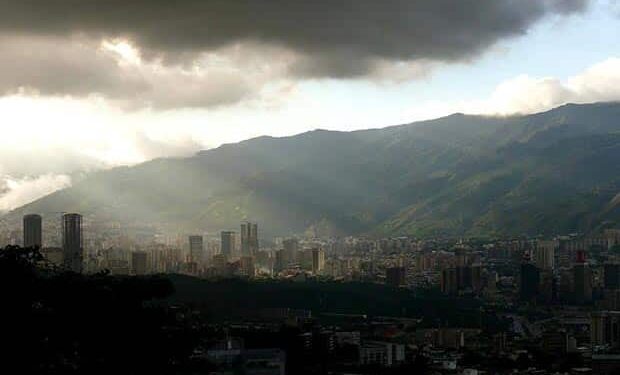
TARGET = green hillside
x,y
553,172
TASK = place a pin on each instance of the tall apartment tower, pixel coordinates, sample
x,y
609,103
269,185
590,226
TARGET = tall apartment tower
x,y
291,248
139,263
583,283
318,260
33,231
249,239
395,276
612,276
196,249
529,285
228,245
72,242
545,254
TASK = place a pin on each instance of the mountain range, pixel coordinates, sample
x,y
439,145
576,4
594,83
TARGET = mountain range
x,y
462,175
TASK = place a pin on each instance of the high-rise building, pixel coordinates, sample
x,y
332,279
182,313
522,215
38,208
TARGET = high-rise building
x,y
530,281
138,262
291,247
583,283
33,231
545,254
196,249
72,242
246,266
612,276
605,329
548,286
395,276
464,277
279,263
318,260
229,243
476,278
249,239
449,281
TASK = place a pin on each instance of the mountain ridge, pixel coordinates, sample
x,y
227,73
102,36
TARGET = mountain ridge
x,y
548,173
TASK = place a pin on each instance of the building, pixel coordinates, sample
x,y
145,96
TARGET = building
x,y
291,248
612,276
449,282
582,278
395,276
545,254
246,266
318,261
196,249
53,255
464,278
548,286
530,282
456,280
249,239
33,230
229,243
248,361
279,264
476,278
384,354
139,262
72,242
605,329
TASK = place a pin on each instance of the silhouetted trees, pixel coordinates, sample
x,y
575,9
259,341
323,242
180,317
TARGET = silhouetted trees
x,y
65,323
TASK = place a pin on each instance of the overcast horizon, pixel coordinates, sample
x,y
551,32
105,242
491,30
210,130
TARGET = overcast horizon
x,y
98,85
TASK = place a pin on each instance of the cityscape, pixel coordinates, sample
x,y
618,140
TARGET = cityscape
x,y
310,187
549,298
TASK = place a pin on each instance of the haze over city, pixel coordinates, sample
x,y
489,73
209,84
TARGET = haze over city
x,y
310,187
92,86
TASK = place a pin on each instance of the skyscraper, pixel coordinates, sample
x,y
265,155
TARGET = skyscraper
x,y
605,328
249,239
545,254
291,247
32,231
196,249
228,243
395,276
583,283
318,260
138,262
530,282
612,276
72,242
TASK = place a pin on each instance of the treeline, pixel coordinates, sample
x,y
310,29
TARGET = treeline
x,y
222,300
57,322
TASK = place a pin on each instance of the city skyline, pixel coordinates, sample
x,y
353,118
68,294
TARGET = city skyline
x,y
310,187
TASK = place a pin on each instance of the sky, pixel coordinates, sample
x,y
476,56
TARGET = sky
x,y
88,84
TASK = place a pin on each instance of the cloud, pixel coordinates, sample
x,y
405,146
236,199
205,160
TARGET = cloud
x,y
524,94
56,136
330,38
81,67
17,192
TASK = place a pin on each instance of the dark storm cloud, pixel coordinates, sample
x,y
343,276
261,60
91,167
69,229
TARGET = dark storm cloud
x,y
337,38
79,67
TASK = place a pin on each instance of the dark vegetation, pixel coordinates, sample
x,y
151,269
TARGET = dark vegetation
x,y
58,322
236,298
65,323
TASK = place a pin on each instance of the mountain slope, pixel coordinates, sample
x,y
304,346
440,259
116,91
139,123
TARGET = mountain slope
x,y
552,172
